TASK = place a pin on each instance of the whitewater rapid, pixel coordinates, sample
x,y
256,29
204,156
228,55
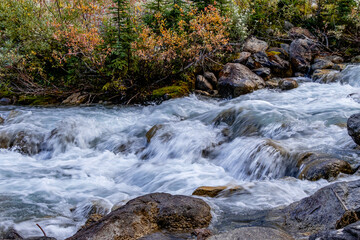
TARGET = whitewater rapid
x,y
100,154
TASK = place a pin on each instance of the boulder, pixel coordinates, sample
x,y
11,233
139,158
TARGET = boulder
x,y
75,98
255,45
321,211
202,84
2,121
300,33
236,79
262,72
24,142
242,57
207,191
350,232
273,83
279,67
335,59
301,54
148,214
5,101
353,127
322,64
288,84
253,233
314,167
211,78
258,60
325,76
286,48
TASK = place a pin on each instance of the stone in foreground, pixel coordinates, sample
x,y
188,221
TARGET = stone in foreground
x,y
148,214
253,233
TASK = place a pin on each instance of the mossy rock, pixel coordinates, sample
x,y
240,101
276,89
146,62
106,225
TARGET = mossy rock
x,y
170,92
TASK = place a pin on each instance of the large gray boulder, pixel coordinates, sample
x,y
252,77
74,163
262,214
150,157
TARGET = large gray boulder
x,y
353,127
324,210
301,54
236,79
148,214
350,232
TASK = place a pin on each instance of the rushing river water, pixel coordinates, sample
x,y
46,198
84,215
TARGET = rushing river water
x,y
100,155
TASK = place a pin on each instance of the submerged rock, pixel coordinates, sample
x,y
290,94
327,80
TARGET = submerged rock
x,y
2,120
353,127
253,233
28,143
315,167
148,214
255,45
236,79
321,211
152,132
216,191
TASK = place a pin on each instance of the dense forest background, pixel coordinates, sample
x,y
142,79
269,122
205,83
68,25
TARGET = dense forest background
x,y
130,48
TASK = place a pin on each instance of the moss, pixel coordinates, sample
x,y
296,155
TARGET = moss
x,y
6,93
273,53
35,100
171,91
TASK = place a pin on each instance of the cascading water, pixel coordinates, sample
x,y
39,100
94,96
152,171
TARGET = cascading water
x,y
58,163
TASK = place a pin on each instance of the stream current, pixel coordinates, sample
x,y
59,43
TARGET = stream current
x,y
99,155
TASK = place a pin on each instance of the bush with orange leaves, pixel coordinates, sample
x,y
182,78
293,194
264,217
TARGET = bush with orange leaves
x,y
190,43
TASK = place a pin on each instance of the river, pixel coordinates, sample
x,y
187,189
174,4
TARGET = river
x,y
100,155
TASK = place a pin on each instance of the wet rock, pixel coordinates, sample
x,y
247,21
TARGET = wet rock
x,y
242,57
339,67
258,60
322,64
356,59
152,132
255,45
148,214
280,67
353,127
288,84
228,116
211,78
350,232
320,211
24,142
202,93
325,75
75,98
301,54
202,84
298,32
253,233
5,101
236,79
202,234
2,121
262,72
216,191
92,219
355,97
315,167
273,83
166,236
278,51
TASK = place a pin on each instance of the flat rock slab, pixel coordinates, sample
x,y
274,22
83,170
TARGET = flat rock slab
x,y
253,233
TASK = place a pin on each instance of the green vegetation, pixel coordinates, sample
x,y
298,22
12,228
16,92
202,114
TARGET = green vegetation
x,y
129,48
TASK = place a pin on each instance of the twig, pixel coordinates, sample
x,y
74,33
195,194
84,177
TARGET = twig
x,y
41,230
